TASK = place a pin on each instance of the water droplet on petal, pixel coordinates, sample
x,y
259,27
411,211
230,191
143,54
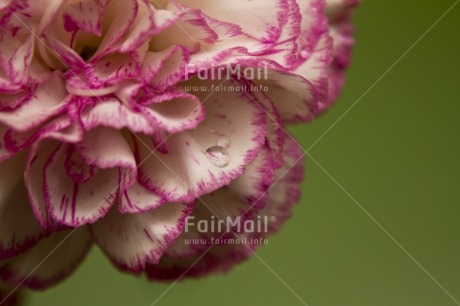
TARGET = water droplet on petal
x,y
223,142
218,156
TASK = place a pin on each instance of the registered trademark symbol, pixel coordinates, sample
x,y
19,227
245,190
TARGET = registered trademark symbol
x,y
273,218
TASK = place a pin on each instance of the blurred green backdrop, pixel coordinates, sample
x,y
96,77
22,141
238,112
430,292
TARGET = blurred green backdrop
x,y
396,153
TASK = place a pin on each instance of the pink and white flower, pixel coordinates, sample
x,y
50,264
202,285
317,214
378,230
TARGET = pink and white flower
x,y
102,143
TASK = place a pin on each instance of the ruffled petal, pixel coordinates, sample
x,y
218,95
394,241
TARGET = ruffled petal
x,y
276,132
62,55
111,20
149,22
50,261
298,95
292,95
110,112
17,63
137,199
166,68
15,56
222,256
132,240
257,19
48,142
218,259
73,202
195,163
315,69
287,191
342,32
62,128
84,15
342,36
47,100
123,13
238,202
34,181
174,111
112,69
313,25
190,31
291,24
236,45
11,101
18,228
93,150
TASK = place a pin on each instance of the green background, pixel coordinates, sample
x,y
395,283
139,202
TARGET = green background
x,y
393,169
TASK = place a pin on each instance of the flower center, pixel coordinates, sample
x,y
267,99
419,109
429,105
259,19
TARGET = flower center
x,y
87,52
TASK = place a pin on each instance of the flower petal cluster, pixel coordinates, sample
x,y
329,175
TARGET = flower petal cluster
x,y
102,140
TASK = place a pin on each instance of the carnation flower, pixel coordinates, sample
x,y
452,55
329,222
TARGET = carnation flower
x,y
103,142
